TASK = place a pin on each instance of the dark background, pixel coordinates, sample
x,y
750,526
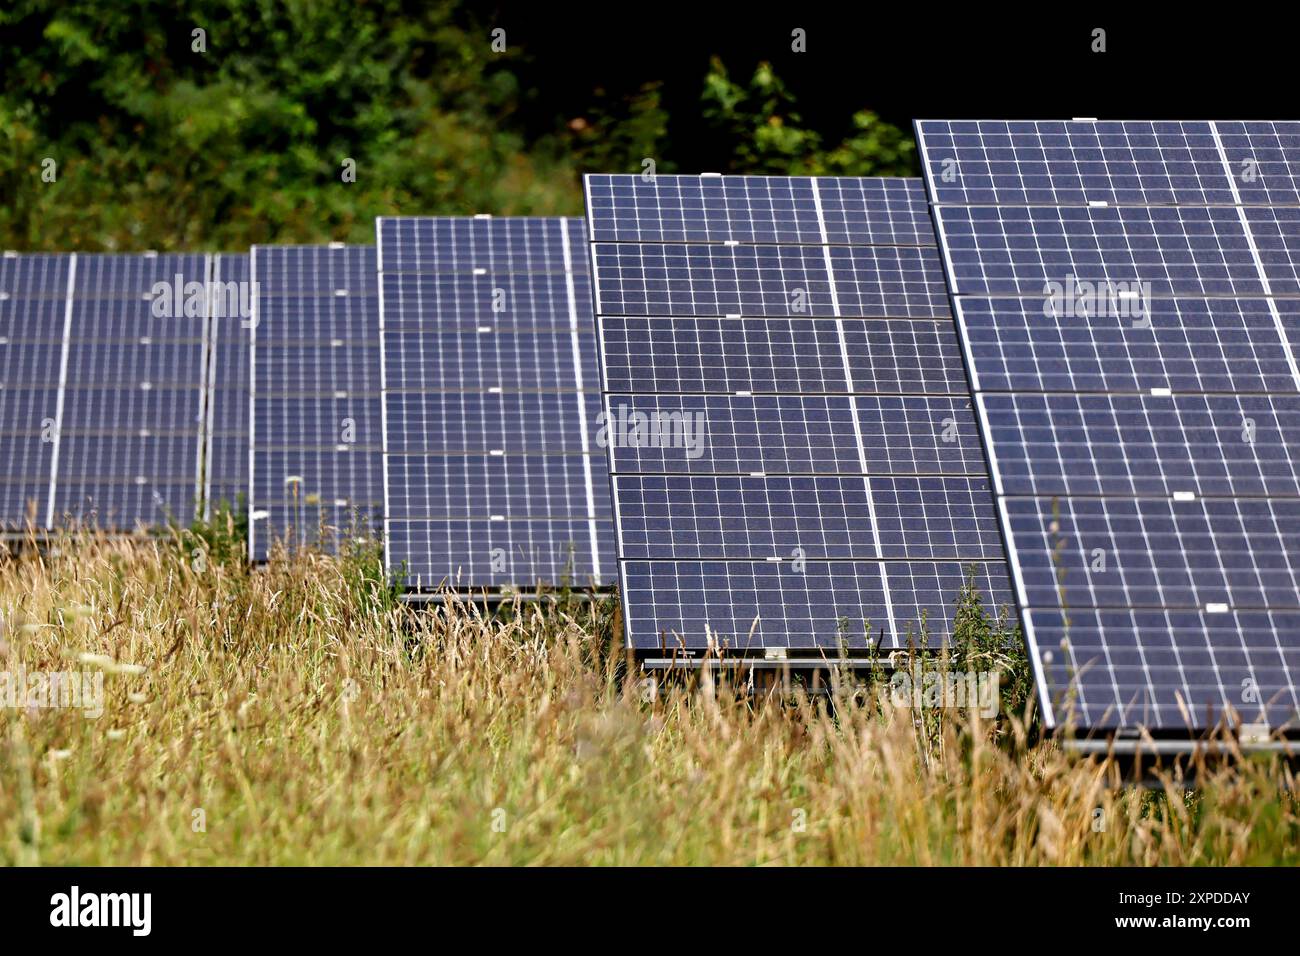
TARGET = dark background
x,y
158,146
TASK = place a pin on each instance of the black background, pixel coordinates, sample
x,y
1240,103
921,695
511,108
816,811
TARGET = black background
x,y
908,909
908,61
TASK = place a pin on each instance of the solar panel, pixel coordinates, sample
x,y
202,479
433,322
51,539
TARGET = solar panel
x,y
493,478
794,456
1120,293
316,432
101,357
33,318
226,432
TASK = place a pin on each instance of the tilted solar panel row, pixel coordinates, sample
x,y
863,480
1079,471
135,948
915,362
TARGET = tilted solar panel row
x,y
316,436
794,456
1121,290
105,364
490,397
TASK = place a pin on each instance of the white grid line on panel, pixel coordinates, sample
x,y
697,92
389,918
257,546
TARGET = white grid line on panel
x,y
63,382
857,425
1254,252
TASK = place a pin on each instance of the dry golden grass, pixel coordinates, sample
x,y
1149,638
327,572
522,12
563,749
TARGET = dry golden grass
x,y
312,720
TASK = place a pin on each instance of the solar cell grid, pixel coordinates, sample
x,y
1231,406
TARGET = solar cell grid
x,y
490,403
317,434
1145,459
1177,250
32,319
1187,670
487,486
792,339
501,422
226,449
759,604
136,275
469,301
1121,163
448,244
819,517
712,280
127,451
478,361
512,553
1184,344
1063,444
1156,552
34,275
759,209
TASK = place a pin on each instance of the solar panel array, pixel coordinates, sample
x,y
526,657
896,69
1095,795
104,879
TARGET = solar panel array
x,y
103,359
1125,294
794,457
317,442
492,475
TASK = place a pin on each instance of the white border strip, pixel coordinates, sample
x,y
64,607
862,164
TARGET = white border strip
x,y
252,399
582,404
383,392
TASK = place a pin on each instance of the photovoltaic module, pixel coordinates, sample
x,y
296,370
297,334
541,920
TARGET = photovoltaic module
x,y
1126,298
493,478
102,361
316,436
794,457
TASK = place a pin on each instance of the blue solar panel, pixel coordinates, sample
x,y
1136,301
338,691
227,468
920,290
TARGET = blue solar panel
x,y
714,280
822,517
480,245
229,330
794,434
759,209
317,423
683,355
1140,400
34,275
31,319
1188,666
1058,163
1173,250
34,290
518,552
818,606
1079,444
532,360
1187,345
490,403
471,301
130,412
788,421
1156,552
112,365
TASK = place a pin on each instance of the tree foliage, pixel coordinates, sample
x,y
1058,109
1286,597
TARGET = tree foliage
x,y
140,124
770,137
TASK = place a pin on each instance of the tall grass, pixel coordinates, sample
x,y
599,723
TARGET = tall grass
x,y
301,715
